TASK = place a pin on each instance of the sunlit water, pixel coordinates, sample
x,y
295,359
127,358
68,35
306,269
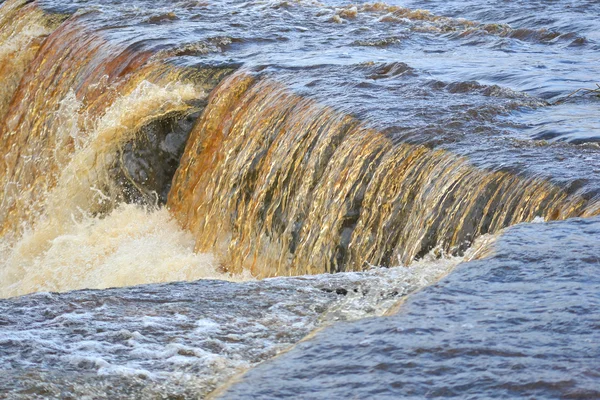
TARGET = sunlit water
x,y
485,81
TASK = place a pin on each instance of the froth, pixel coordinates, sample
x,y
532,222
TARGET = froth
x,y
69,249
130,246
84,182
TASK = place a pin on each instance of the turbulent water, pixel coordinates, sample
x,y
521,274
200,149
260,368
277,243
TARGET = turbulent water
x,y
353,153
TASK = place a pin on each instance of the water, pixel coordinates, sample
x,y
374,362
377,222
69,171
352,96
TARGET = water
x,y
520,324
150,142
180,339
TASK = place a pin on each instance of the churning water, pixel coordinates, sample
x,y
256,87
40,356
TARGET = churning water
x,y
350,153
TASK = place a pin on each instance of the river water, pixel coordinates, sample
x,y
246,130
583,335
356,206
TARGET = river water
x,y
411,187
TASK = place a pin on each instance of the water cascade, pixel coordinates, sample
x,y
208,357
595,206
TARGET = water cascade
x,y
421,187
280,185
79,124
270,182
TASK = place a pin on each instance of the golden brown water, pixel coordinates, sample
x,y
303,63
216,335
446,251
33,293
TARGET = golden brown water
x,y
181,145
23,29
40,144
280,185
80,102
270,181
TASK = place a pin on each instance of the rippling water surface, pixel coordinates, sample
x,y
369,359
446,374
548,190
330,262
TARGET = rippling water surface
x,y
180,339
522,323
425,124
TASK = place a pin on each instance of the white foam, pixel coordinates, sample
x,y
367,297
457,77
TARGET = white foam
x,y
64,248
130,246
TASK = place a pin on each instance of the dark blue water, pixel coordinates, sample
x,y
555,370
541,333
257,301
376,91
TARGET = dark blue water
x,y
179,340
523,323
544,50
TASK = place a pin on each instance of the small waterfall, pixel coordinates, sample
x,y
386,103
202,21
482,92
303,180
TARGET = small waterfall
x,y
83,106
280,185
90,125
158,159
269,181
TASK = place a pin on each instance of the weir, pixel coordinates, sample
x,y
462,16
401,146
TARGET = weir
x,y
280,185
269,181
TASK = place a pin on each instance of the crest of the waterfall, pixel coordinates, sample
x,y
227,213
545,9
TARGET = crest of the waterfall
x,y
279,185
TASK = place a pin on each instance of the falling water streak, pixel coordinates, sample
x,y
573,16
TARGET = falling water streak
x,y
277,184
23,29
80,102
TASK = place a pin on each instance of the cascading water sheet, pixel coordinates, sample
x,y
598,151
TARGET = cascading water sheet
x,y
352,153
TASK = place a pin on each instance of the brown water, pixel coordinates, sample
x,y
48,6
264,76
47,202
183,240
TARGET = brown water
x,y
152,142
310,190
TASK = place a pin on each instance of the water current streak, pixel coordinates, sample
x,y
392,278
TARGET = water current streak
x,y
280,185
81,100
